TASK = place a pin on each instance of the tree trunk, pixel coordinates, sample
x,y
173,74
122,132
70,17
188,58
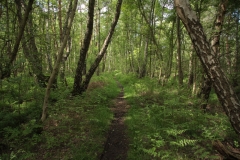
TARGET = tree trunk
x,y
68,25
149,23
215,42
226,150
104,63
170,57
195,68
99,34
205,91
64,59
143,66
215,38
228,56
30,50
190,71
49,58
236,80
6,71
83,52
179,55
60,20
223,89
102,52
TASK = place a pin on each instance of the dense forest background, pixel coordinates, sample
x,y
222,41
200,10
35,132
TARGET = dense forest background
x,y
61,61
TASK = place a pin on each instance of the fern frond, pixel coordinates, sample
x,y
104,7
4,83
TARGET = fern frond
x,y
175,132
184,142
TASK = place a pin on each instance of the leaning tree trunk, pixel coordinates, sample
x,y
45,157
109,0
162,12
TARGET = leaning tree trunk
x,y
30,49
102,52
68,25
215,42
83,52
6,71
223,89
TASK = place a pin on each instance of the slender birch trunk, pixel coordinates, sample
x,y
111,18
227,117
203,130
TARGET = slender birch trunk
x,y
221,84
68,24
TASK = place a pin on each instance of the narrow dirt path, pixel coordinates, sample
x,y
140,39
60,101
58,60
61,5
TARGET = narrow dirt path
x,y
116,145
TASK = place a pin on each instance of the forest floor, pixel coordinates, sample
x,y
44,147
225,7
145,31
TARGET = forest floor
x,y
141,120
116,145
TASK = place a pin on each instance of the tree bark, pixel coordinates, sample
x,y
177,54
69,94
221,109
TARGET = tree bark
x,y
215,38
83,52
102,52
68,24
170,57
236,81
179,55
215,42
64,59
60,19
48,55
223,89
98,34
190,72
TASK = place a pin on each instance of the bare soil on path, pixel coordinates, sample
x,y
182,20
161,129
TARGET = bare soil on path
x,y
116,145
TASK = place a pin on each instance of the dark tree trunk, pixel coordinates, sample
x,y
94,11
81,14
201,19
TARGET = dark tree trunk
x,y
5,71
143,67
223,89
104,63
170,58
179,55
205,91
102,52
64,59
30,49
190,73
77,89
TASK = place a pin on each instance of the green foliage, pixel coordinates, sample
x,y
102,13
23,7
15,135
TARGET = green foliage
x,y
76,126
173,126
20,115
20,112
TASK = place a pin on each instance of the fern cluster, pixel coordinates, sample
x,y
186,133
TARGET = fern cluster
x,y
173,126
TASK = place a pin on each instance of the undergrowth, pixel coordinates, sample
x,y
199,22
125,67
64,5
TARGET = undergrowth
x,y
75,127
165,123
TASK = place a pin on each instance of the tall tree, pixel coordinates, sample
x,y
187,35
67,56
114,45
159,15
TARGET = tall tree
x,y
5,71
84,50
223,89
179,55
215,43
30,49
67,27
80,85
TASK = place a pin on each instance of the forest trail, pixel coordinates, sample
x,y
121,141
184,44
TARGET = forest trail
x,y
116,145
